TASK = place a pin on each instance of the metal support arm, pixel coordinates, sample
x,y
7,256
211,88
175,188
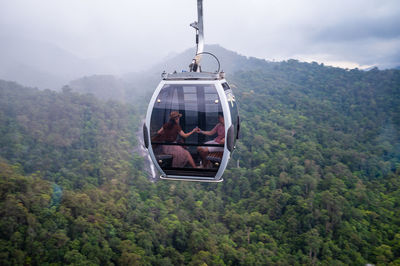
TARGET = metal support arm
x,y
198,25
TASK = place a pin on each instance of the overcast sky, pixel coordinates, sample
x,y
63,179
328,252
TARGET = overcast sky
x,y
346,33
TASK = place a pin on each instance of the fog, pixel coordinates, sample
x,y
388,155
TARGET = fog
x,y
122,36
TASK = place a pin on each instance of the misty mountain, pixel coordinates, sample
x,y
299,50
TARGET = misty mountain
x,y
41,64
105,87
230,61
30,75
131,85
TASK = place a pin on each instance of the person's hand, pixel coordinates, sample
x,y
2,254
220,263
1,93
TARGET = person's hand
x,y
198,130
222,141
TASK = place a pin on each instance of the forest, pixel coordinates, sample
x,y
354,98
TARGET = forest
x,y
315,178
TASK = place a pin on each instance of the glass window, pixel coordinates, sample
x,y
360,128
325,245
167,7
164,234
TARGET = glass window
x,y
232,108
225,86
188,107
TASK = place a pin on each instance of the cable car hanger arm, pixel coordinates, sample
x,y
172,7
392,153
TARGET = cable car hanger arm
x,y
198,25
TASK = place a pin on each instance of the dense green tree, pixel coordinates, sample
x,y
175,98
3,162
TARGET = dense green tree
x,y
314,180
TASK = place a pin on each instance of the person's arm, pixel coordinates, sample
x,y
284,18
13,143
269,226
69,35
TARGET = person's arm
x,y
160,130
185,135
210,132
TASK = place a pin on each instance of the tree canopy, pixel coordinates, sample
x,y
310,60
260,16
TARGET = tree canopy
x,y
314,180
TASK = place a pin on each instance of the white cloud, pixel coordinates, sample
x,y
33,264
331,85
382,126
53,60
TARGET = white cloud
x,y
362,32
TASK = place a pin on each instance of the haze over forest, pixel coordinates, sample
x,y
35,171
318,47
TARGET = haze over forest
x,y
48,44
314,179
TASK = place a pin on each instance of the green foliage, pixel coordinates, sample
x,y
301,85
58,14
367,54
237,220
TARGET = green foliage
x,y
315,179
71,139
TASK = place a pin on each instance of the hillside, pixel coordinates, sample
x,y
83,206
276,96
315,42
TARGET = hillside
x,y
230,61
42,64
131,87
105,87
320,151
65,136
317,182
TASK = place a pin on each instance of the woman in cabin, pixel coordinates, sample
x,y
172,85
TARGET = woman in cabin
x,y
169,132
219,129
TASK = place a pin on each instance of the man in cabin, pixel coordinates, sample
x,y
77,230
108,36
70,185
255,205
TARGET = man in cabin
x,y
219,129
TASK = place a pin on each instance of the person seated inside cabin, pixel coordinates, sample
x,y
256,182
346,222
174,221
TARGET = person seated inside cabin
x,y
169,133
219,129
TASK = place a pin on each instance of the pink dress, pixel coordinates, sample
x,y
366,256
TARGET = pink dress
x,y
220,131
180,156
220,128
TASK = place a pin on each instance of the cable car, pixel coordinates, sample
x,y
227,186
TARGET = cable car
x,y
192,121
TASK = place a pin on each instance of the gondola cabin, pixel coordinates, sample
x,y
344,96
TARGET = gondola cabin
x,y
191,126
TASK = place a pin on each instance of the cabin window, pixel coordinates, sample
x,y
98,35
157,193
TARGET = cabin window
x,y
199,106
